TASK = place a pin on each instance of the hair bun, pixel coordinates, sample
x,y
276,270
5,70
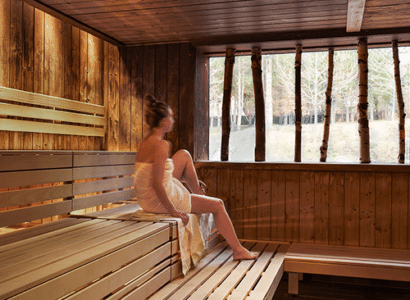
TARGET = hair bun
x,y
150,101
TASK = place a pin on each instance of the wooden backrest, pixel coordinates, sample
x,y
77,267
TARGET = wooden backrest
x,y
109,174
32,112
40,184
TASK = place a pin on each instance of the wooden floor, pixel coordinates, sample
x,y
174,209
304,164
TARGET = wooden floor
x,y
320,287
218,276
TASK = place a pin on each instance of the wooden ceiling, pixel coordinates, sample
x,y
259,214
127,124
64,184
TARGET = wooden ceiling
x,y
214,25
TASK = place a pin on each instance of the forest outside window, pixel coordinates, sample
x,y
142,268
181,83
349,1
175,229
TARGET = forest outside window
x,y
279,93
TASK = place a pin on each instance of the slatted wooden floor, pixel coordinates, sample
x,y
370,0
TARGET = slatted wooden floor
x,y
217,276
86,259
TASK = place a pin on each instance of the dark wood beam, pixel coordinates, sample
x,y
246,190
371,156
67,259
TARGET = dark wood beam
x,y
355,11
69,20
310,39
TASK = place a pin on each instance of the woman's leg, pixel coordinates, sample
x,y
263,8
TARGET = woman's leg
x,y
205,204
185,171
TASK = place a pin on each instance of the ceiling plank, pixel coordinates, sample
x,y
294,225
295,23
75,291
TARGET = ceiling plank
x,y
69,20
355,12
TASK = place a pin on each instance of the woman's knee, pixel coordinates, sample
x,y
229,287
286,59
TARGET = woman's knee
x,y
184,154
219,205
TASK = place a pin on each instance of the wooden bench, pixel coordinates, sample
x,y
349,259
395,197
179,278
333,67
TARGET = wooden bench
x,y
359,262
78,257
106,254
218,276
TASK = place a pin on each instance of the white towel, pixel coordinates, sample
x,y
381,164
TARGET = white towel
x,y
191,237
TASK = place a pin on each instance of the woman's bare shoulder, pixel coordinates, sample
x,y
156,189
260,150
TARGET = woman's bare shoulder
x,y
151,149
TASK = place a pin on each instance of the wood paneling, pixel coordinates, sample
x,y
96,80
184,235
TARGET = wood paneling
x,y
216,25
352,205
41,54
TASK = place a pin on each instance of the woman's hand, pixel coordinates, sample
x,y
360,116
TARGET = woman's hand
x,y
182,215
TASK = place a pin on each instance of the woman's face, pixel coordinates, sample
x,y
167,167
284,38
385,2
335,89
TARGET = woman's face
x,y
168,122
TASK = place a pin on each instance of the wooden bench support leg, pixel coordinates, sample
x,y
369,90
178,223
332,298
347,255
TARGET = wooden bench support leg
x,y
293,283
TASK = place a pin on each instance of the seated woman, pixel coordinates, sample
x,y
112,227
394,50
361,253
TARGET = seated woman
x,y
159,187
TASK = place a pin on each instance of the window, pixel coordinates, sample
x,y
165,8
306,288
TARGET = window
x,y
279,87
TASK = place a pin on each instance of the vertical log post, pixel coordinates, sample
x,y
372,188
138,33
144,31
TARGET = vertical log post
x,y
363,104
323,149
226,104
298,104
259,105
400,103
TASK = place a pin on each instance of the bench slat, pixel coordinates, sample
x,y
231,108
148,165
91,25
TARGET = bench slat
x,y
21,215
172,287
104,235
95,200
249,281
52,128
150,286
56,252
234,277
95,268
21,237
102,159
103,287
27,196
104,171
44,247
47,234
49,101
372,272
29,160
76,258
116,212
266,286
131,286
220,276
102,185
187,289
49,114
25,178
346,252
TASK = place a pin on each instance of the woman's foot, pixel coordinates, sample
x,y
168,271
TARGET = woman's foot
x,y
243,254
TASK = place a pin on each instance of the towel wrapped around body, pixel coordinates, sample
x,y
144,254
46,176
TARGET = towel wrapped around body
x,y
191,237
146,195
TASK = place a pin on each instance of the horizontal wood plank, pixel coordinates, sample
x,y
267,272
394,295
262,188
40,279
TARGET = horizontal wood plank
x,y
49,101
48,114
137,282
27,196
76,256
11,217
26,160
102,185
101,158
14,239
365,262
104,264
24,178
52,128
95,200
122,276
102,171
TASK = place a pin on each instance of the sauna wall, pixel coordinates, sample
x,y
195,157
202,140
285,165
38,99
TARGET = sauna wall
x,y
352,205
40,53
169,72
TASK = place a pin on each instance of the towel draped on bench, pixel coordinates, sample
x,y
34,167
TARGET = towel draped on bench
x,y
191,238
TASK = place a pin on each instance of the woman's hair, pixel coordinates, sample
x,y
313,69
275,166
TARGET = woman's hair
x,y
155,112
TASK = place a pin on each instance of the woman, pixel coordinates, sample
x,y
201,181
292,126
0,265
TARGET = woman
x,y
159,177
